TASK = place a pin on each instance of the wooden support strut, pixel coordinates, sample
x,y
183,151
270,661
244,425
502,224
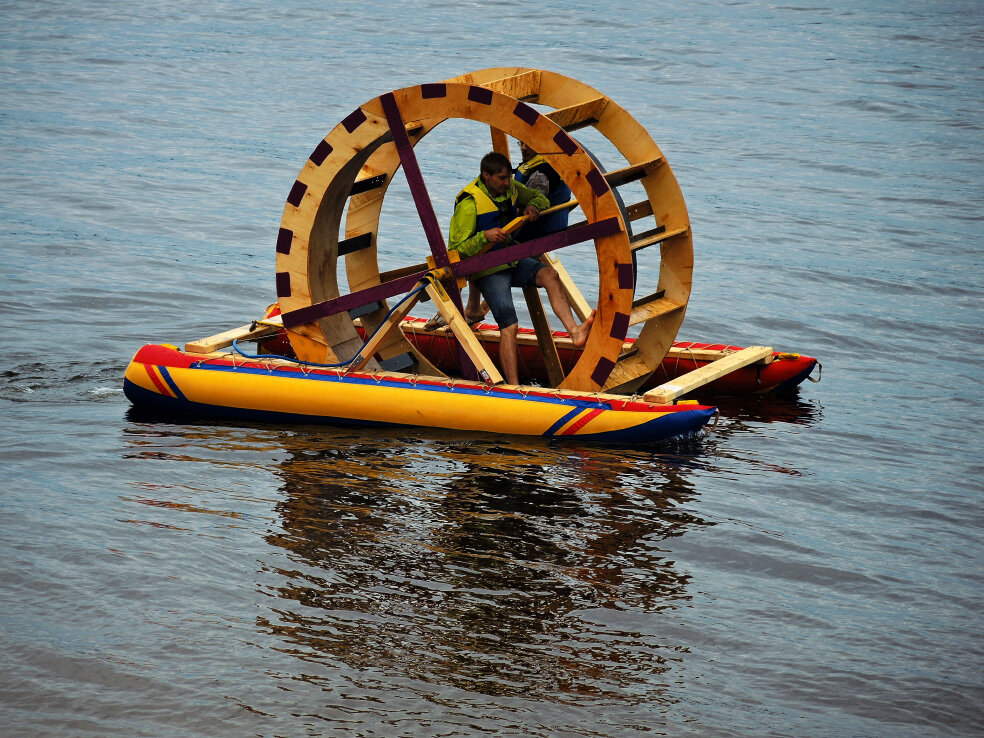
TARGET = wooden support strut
x,y
544,336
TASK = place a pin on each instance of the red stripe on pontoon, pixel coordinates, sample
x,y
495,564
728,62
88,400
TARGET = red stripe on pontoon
x,y
158,382
582,421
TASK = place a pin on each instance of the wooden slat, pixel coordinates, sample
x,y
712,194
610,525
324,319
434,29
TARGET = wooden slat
x,y
578,116
639,302
630,371
680,386
655,236
524,86
639,210
246,332
548,350
619,177
654,309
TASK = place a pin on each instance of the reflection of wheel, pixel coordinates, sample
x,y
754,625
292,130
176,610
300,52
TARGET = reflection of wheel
x,y
355,162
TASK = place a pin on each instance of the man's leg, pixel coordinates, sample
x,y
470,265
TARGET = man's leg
x,y
507,353
548,278
473,310
497,290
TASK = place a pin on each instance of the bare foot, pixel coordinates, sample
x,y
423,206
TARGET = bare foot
x,y
473,318
580,336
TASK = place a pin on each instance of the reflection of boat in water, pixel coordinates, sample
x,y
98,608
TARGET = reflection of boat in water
x,y
474,565
355,359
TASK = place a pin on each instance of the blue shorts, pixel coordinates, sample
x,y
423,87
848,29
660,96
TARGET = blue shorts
x,y
497,289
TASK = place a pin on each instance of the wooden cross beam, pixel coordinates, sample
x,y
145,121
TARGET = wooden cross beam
x,y
577,234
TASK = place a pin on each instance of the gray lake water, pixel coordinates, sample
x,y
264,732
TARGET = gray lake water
x,y
811,569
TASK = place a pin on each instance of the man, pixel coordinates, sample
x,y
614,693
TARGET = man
x,y
482,208
537,174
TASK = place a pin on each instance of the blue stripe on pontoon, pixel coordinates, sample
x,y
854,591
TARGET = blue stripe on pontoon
x,y
563,421
171,383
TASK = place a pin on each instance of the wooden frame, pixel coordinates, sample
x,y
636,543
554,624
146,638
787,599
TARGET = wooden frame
x,y
356,161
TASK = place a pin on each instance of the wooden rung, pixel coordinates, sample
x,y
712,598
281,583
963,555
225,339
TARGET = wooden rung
x,y
619,177
369,183
578,116
258,329
356,243
524,86
639,211
680,386
654,309
648,298
657,235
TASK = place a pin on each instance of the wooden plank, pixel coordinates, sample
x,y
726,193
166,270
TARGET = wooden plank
x,y
578,116
544,337
654,309
257,329
680,386
619,177
655,236
487,371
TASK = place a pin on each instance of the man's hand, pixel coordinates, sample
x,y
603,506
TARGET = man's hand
x,y
532,212
497,235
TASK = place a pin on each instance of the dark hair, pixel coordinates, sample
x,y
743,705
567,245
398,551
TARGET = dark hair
x,y
494,162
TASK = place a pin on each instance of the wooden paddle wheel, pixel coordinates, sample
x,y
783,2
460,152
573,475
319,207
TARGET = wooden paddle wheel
x,y
347,176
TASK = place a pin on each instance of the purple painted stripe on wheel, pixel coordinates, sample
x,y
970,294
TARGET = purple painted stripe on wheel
x,y
626,277
296,193
620,326
597,182
525,113
320,153
354,120
284,239
283,284
480,95
411,169
433,90
602,369
566,143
